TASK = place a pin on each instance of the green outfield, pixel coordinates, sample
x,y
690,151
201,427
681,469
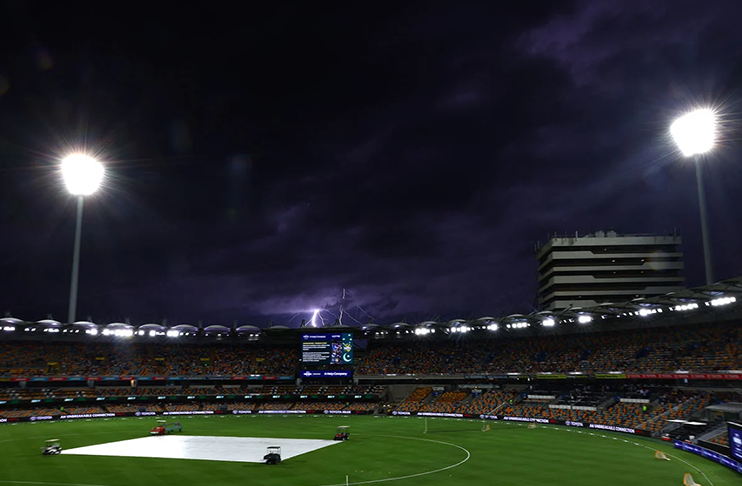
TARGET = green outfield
x,y
381,450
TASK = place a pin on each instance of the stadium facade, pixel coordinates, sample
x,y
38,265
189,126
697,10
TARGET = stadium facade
x,y
605,267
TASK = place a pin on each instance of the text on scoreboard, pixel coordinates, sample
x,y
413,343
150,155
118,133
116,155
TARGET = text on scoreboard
x,y
327,348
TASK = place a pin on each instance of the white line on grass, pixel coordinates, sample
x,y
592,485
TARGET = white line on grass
x,y
630,442
468,455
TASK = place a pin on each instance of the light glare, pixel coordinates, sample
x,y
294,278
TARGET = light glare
x,y
82,174
694,132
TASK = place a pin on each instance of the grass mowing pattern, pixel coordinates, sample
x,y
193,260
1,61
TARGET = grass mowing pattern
x,y
380,449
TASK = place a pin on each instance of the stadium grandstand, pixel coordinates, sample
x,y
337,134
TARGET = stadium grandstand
x,y
668,367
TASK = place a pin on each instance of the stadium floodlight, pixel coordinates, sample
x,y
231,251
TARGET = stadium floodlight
x,y
120,333
82,176
548,322
492,327
686,307
584,319
723,301
518,325
694,133
173,333
8,328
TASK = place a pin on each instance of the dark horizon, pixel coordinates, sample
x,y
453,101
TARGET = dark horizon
x,y
261,165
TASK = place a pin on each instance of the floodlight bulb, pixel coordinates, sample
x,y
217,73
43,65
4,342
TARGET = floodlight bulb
x,y
694,132
82,174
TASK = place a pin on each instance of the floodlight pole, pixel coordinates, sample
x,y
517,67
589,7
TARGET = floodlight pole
x,y
704,223
71,316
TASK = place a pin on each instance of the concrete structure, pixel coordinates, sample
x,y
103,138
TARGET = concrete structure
x,y
585,271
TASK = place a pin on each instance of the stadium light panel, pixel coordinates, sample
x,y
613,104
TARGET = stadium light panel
x,y
686,307
694,132
119,333
548,322
82,174
492,327
723,301
584,319
518,325
8,328
92,332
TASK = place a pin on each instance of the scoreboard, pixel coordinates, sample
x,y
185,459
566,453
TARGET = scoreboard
x,y
735,440
327,348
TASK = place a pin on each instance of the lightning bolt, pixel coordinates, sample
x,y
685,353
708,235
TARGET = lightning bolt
x,y
367,314
340,319
317,315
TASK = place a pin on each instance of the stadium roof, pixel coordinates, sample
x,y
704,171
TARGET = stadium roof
x,y
726,295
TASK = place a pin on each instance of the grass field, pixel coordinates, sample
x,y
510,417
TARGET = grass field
x,y
380,450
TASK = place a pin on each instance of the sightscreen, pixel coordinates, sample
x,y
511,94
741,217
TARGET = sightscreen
x,y
735,440
327,348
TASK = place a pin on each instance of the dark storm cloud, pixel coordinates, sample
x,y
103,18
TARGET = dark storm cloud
x,y
410,156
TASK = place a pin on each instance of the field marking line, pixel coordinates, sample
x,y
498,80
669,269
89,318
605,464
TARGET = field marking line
x,y
468,455
634,443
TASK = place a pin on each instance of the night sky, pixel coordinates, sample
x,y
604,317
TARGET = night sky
x,y
262,160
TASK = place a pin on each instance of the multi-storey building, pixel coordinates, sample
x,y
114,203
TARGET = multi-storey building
x,y
605,267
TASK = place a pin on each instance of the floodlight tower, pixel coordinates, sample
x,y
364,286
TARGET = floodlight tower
x,y
82,176
694,135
